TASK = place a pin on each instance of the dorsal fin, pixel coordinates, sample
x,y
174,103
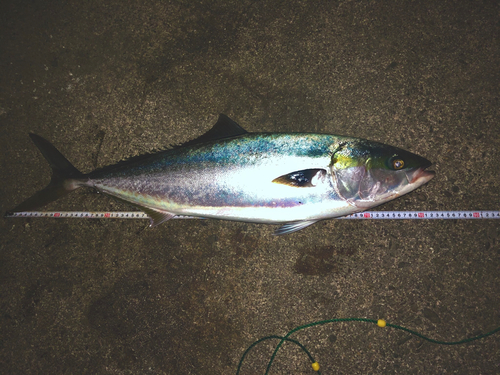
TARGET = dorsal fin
x,y
223,128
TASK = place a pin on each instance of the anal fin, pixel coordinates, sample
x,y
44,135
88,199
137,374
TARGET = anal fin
x,y
156,217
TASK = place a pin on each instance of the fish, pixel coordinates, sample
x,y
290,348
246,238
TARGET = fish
x,y
291,179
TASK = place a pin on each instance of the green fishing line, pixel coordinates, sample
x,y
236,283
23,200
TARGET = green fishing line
x,y
381,323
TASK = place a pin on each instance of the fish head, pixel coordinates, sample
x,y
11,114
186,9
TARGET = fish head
x,y
367,173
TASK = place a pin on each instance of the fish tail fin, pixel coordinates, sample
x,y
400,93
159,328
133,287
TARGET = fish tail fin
x,y
64,177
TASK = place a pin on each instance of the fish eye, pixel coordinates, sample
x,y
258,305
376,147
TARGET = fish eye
x,y
398,164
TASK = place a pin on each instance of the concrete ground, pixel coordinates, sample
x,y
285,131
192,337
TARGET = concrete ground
x,y
106,80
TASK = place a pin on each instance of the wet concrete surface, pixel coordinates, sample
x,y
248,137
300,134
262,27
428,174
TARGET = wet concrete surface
x,y
106,80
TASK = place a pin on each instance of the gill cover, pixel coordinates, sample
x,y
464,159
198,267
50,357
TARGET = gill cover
x,y
368,172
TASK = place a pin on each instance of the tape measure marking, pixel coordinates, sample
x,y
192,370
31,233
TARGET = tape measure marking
x,y
367,215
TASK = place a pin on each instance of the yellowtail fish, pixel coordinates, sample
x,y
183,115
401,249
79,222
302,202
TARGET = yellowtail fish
x,y
293,179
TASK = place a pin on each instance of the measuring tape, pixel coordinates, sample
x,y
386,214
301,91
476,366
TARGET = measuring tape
x,y
367,215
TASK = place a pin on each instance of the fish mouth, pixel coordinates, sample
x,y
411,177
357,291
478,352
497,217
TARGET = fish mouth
x,y
420,175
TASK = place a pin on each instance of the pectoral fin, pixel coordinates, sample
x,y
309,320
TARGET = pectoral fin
x,y
303,178
293,227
